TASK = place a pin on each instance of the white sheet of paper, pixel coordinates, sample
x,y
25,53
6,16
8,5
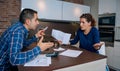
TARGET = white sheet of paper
x,y
59,35
66,38
71,53
40,60
59,49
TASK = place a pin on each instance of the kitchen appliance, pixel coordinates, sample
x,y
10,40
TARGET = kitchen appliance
x,y
107,19
107,28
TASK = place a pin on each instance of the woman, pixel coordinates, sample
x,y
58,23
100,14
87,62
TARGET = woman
x,y
87,34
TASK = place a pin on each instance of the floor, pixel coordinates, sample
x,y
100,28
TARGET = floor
x,y
112,69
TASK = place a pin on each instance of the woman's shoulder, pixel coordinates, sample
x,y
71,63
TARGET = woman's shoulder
x,y
79,30
94,29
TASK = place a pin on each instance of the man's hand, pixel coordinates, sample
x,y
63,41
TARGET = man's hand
x,y
43,46
40,33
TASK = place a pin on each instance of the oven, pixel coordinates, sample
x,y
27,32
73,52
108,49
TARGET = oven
x,y
107,28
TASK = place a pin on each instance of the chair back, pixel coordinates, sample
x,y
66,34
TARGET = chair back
x,y
102,49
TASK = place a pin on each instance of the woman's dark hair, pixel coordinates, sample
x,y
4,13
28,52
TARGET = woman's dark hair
x,y
89,18
26,14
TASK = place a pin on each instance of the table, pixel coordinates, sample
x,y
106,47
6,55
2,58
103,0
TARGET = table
x,y
87,61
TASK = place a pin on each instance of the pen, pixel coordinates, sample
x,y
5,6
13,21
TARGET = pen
x,y
45,28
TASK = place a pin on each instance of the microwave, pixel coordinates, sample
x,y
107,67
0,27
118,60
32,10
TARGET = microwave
x,y
107,20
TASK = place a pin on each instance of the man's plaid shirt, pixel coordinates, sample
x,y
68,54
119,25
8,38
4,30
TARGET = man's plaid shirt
x,y
12,41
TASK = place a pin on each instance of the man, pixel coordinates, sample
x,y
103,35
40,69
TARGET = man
x,y
14,39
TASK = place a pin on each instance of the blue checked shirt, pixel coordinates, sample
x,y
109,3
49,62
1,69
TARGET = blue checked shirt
x,y
12,41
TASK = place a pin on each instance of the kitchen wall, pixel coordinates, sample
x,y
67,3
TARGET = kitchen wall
x,y
107,6
93,8
9,11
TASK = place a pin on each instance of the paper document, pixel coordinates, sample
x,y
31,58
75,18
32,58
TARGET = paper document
x,y
59,35
71,53
40,60
59,49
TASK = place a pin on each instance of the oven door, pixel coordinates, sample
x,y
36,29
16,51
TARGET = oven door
x,y
107,34
107,21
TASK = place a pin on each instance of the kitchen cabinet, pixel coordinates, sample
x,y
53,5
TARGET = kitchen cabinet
x,y
47,9
72,11
56,9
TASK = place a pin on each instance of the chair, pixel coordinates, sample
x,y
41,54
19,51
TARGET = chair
x,y
102,52
102,49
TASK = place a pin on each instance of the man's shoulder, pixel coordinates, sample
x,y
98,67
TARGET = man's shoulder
x,y
17,27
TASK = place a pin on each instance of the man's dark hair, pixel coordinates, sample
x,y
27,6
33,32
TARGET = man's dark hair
x,y
26,14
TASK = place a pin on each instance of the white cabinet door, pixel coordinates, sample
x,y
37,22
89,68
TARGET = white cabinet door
x,y
56,10
47,9
72,11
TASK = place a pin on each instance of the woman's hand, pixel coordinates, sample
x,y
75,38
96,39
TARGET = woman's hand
x,y
60,42
97,46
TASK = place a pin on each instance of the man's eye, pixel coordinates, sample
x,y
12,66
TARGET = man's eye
x,y
36,19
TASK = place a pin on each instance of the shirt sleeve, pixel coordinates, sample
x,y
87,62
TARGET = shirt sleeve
x,y
27,42
96,36
75,40
17,57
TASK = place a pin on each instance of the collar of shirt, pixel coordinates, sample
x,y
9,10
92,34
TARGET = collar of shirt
x,y
25,30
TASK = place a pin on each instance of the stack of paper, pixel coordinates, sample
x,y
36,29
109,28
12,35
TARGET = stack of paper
x,y
61,36
71,53
40,60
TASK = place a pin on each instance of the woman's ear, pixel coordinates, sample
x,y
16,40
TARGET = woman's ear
x,y
89,23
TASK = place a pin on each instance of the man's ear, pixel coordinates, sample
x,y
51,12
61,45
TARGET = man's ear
x,y
27,21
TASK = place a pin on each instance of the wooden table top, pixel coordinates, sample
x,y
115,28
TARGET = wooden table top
x,y
64,61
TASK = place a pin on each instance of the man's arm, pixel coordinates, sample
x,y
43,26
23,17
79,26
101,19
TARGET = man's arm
x,y
27,42
17,57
